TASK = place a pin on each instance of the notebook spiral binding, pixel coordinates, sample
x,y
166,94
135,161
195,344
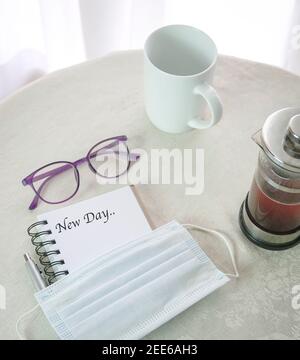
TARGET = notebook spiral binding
x,y
39,244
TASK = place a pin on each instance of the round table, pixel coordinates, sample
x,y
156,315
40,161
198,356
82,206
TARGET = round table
x,y
60,116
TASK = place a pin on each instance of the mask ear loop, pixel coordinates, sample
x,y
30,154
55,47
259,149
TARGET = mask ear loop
x,y
20,336
226,242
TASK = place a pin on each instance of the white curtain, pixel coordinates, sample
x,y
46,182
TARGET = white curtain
x,y
39,36
292,53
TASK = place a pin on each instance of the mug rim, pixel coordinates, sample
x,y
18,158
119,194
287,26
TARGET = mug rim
x,y
181,26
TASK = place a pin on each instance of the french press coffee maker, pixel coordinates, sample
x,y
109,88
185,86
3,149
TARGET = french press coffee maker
x,y
270,214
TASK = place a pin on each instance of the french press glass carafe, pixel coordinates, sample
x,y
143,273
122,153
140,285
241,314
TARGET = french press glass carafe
x,y
270,215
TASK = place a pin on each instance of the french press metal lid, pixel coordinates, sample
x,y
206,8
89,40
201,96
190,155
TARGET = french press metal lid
x,y
280,138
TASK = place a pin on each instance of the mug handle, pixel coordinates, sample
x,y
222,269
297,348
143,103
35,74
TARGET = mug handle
x,y
215,106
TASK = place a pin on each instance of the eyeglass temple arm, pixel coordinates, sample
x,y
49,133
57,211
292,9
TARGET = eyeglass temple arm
x,y
132,156
36,198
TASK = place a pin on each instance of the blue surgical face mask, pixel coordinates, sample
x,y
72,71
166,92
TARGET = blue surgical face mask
x,y
132,290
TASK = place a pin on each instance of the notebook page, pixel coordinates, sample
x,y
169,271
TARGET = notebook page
x,y
93,227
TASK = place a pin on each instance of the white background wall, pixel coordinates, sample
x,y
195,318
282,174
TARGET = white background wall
x,y
39,36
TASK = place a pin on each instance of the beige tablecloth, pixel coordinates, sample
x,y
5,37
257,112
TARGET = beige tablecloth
x,y
60,116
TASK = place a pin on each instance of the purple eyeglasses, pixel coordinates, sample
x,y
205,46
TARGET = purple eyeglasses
x,y
110,158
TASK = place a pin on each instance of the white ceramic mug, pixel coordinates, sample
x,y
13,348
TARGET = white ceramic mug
x,y
178,72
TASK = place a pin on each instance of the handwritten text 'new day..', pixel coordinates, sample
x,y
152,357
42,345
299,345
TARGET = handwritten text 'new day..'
x,y
87,218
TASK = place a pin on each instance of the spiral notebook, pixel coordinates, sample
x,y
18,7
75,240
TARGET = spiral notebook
x,y
70,237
